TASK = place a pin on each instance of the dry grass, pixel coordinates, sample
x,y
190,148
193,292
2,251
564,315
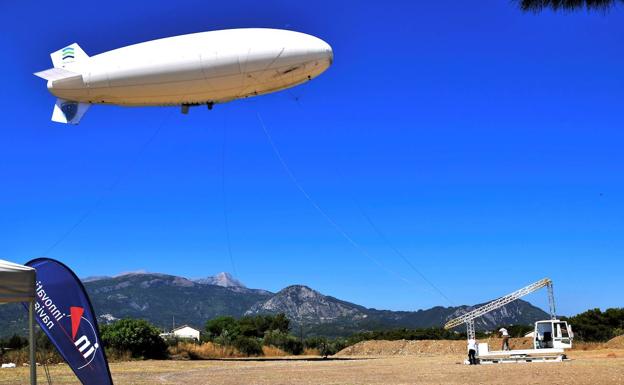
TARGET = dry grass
x,y
21,356
211,351
311,352
118,356
272,351
205,351
614,343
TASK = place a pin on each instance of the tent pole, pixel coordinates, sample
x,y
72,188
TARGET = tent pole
x,y
31,332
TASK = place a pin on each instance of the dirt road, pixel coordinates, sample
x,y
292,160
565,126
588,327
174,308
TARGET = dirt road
x,y
586,367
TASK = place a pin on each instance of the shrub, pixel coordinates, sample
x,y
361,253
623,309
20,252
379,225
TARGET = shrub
x,y
293,346
221,326
248,334
334,347
16,342
138,337
228,328
275,338
249,346
283,341
326,347
314,342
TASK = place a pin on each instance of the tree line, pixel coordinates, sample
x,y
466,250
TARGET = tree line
x,y
595,325
249,333
140,339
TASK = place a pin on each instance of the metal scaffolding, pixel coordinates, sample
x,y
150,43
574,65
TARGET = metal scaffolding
x,y
468,318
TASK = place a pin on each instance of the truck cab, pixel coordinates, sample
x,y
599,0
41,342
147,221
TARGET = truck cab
x,y
552,334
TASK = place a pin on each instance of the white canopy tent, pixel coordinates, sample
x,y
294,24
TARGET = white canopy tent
x,y
17,284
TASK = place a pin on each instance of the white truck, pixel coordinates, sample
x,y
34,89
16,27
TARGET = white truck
x,y
550,337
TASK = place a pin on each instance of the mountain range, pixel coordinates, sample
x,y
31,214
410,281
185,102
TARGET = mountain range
x,y
167,300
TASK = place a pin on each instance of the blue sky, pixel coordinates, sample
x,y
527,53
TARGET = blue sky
x,y
485,143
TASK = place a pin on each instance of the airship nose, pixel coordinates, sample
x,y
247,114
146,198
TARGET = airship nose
x,y
329,52
324,50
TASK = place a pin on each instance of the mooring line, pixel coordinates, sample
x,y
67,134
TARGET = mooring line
x,y
385,239
320,210
224,199
121,176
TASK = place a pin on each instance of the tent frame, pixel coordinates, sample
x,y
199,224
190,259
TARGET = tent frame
x,y
17,284
31,336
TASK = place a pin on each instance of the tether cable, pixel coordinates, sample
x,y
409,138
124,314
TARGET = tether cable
x,y
318,208
385,239
224,198
398,252
122,175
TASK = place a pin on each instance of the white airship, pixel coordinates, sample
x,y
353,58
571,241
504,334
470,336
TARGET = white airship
x,y
187,70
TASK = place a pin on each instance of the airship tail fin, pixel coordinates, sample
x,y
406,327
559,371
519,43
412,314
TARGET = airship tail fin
x,y
66,111
57,74
68,55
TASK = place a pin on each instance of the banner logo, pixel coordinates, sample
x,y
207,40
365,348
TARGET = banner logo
x,y
83,333
65,314
86,342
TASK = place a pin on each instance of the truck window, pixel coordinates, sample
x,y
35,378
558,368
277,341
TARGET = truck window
x,y
564,330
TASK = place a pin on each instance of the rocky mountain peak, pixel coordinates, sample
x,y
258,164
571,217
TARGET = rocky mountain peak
x,y
300,292
222,279
301,303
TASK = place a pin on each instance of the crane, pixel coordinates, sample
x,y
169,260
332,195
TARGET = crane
x,y
468,318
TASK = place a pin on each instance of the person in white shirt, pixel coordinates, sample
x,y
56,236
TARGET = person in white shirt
x,y
472,350
505,335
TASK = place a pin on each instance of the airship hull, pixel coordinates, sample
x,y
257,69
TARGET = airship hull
x,y
208,67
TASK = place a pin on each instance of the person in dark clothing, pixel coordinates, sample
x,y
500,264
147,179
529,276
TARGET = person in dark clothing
x,y
505,335
472,351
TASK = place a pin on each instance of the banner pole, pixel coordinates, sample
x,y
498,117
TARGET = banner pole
x,y
31,332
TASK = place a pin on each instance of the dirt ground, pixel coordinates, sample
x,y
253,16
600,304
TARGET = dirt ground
x,y
425,347
604,366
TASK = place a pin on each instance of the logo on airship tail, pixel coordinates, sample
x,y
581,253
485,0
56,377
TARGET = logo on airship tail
x,y
68,53
70,109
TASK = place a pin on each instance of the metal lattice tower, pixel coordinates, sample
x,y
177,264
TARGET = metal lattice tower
x,y
470,329
468,318
551,301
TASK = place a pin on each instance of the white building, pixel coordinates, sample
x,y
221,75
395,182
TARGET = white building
x,y
186,331
182,332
